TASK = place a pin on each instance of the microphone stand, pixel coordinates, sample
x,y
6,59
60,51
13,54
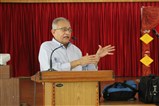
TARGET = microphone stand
x,y
51,69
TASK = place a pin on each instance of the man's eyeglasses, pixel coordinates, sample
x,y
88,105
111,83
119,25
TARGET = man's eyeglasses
x,y
64,29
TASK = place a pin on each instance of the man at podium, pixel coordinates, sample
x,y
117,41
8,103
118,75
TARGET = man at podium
x,y
60,54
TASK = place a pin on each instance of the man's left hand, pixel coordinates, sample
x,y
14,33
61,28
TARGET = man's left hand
x,y
103,51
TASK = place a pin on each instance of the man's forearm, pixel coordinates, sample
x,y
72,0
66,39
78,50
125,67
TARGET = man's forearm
x,y
75,63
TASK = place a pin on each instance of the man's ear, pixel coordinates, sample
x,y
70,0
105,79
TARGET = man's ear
x,y
52,31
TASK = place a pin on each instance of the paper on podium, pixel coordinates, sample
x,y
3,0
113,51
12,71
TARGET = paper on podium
x,y
4,58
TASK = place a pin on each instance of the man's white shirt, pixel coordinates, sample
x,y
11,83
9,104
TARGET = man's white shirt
x,y
61,57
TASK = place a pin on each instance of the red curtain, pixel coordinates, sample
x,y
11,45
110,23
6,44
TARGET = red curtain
x,y
150,19
25,26
154,49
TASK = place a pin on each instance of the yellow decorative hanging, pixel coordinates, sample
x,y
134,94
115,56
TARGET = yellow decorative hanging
x,y
146,38
146,60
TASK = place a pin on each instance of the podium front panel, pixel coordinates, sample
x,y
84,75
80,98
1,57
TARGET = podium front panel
x,y
76,94
71,94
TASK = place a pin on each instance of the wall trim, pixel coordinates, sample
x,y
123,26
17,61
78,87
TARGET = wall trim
x,y
72,1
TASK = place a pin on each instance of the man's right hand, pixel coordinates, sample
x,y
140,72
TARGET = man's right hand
x,y
85,60
88,59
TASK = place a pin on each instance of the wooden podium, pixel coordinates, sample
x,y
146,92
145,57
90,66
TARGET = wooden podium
x,y
72,88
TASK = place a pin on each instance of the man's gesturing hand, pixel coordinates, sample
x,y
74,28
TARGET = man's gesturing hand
x,y
103,51
89,59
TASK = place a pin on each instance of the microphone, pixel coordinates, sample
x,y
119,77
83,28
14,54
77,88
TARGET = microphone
x,y
73,38
51,69
155,32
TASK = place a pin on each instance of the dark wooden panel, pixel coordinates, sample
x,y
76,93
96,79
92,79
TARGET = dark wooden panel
x,y
27,92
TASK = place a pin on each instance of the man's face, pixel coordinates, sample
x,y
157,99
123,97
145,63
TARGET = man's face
x,y
63,32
